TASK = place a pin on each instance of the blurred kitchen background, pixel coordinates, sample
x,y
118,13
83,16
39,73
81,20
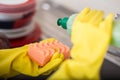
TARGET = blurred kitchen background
x,y
48,11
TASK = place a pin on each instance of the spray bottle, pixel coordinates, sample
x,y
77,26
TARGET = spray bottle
x,y
66,23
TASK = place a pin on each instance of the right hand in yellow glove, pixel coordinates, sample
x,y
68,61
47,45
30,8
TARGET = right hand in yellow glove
x,y
16,61
91,35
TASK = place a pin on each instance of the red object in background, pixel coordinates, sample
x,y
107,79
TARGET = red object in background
x,y
15,24
19,23
32,37
4,42
14,17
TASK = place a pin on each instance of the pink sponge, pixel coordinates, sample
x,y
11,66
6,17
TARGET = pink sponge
x,y
43,51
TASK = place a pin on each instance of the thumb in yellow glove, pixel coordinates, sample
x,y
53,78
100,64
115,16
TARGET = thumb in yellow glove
x,y
90,36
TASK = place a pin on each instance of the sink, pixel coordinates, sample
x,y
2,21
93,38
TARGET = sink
x,y
110,71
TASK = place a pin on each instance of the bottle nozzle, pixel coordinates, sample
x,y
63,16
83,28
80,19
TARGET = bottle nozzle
x,y
62,22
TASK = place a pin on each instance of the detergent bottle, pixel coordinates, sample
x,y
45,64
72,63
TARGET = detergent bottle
x,y
66,23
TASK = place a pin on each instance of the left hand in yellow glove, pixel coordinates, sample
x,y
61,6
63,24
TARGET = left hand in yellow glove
x,y
91,35
17,60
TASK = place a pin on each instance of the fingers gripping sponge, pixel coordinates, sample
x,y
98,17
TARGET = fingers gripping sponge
x,y
42,52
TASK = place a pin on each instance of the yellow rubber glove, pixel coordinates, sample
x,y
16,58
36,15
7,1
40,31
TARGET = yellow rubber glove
x,y
16,61
90,36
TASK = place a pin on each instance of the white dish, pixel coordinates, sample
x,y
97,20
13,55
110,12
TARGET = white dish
x,y
12,2
15,9
13,16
